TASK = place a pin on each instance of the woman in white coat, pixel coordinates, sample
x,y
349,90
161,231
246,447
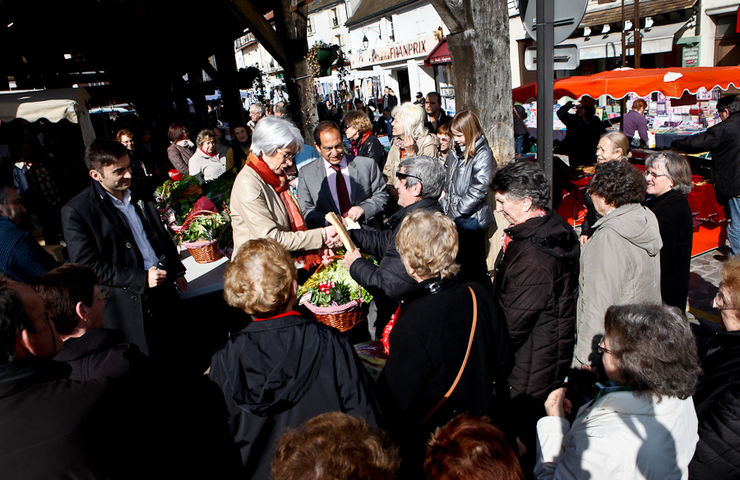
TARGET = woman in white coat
x,y
644,424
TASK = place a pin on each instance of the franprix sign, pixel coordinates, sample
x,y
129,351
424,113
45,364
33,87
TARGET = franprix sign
x,y
394,52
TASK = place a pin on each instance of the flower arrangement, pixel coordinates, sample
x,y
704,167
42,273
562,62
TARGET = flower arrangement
x,y
332,286
204,227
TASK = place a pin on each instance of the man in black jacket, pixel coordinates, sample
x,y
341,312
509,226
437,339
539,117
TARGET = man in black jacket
x,y
419,184
119,235
435,115
723,142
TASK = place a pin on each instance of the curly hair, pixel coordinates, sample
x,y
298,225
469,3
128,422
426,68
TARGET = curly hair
x,y
358,120
470,448
204,135
335,446
654,349
523,179
428,243
618,183
259,280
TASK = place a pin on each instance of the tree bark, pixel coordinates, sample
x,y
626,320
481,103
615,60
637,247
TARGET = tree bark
x,y
290,23
479,46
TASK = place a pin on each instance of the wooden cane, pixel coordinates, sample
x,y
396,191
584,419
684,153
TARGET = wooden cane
x,y
332,218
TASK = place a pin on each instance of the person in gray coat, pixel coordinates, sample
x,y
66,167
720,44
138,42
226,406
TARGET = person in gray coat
x,y
620,264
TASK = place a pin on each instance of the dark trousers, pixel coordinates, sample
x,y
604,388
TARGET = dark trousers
x,y
472,256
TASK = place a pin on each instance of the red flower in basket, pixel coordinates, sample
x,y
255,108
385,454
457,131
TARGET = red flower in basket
x,y
325,287
175,175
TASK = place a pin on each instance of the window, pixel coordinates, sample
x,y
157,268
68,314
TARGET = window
x,y
333,17
309,27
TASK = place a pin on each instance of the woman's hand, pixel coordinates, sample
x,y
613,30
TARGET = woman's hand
x,y
409,145
330,236
556,404
350,257
582,239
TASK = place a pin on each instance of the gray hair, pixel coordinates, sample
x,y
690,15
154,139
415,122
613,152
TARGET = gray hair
x,y
204,135
523,179
272,133
259,106
676,167
429,170
412,117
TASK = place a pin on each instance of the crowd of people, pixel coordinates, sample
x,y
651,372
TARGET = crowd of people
x,y
571,358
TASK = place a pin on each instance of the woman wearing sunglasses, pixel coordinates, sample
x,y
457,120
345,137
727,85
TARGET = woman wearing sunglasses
x,y
643,425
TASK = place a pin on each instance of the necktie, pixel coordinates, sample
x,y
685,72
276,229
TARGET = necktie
x,y
342,194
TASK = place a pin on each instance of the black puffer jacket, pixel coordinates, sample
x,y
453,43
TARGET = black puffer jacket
x,y
717,401
536,288
723,141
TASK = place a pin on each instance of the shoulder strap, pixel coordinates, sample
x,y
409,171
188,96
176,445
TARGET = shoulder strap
x,y
465,361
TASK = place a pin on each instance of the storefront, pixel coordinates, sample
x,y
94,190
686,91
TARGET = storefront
x,y
440,61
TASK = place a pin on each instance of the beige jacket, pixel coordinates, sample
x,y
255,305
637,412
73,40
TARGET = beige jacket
x,y
258,212
427,145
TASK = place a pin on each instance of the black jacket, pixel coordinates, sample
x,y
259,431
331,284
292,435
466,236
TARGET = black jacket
x,y
372,148
427,347
100,353
390,276
443,118
581,136
536,288
53,427
717,401
98,236
278,373
677,231
723,141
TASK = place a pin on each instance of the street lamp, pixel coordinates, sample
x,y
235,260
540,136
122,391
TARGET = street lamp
x,y
365,42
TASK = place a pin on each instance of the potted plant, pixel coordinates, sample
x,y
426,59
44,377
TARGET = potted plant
x,y
201,233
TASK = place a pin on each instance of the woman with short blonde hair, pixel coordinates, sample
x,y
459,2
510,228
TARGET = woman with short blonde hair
x,y
261,278
441,323
281,369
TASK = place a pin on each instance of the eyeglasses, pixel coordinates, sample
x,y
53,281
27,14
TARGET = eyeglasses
x,y
287,155
403,176
602,348
654,175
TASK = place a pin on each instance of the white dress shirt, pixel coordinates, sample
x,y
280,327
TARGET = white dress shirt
x,y
137,228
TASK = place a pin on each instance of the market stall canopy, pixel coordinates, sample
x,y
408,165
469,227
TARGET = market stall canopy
x,y
53,105
671,82
440,54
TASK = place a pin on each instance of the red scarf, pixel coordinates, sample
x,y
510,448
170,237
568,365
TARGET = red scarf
x,y
280,184
362,140
385,340
207,152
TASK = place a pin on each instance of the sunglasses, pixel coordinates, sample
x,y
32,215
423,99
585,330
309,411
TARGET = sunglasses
x,y
404,176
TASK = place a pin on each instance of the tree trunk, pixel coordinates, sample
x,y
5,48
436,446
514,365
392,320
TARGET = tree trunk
x,y
479,46
290,23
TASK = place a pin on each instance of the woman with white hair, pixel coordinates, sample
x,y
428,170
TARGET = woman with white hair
x,y
412,139
262,205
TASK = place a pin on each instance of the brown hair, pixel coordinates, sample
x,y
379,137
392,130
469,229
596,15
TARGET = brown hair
x,y
470,448
204,135
428,243
444,129
359,120
259,280
731,278
125,132
654,349
176,132
335,446
62,288
638,104
102,152
467,123
618,183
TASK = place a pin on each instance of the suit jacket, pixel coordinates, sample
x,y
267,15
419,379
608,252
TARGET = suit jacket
x,y
366,184
98,236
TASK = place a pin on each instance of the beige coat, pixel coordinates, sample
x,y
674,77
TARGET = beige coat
x,y
258,212
427,145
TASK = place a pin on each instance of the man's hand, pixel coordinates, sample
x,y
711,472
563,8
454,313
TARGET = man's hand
x,y
556,404
327,255
181,283
350,257
583,239
156,277
355,213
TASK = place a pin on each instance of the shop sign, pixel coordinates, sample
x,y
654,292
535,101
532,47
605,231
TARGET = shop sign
x,y
690,56
421,47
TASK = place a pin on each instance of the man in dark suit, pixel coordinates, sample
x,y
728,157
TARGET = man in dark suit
x,y
119,235
435,115
353,187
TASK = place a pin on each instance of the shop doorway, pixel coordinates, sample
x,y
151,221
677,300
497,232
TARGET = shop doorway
x,y
404,90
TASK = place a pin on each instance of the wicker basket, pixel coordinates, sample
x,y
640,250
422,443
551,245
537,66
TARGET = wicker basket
x,y
341,317
204,252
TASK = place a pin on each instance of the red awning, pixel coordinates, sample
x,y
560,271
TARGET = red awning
x,y
440,54
671,82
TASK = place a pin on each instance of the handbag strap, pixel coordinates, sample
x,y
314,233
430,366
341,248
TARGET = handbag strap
x,y
465,361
